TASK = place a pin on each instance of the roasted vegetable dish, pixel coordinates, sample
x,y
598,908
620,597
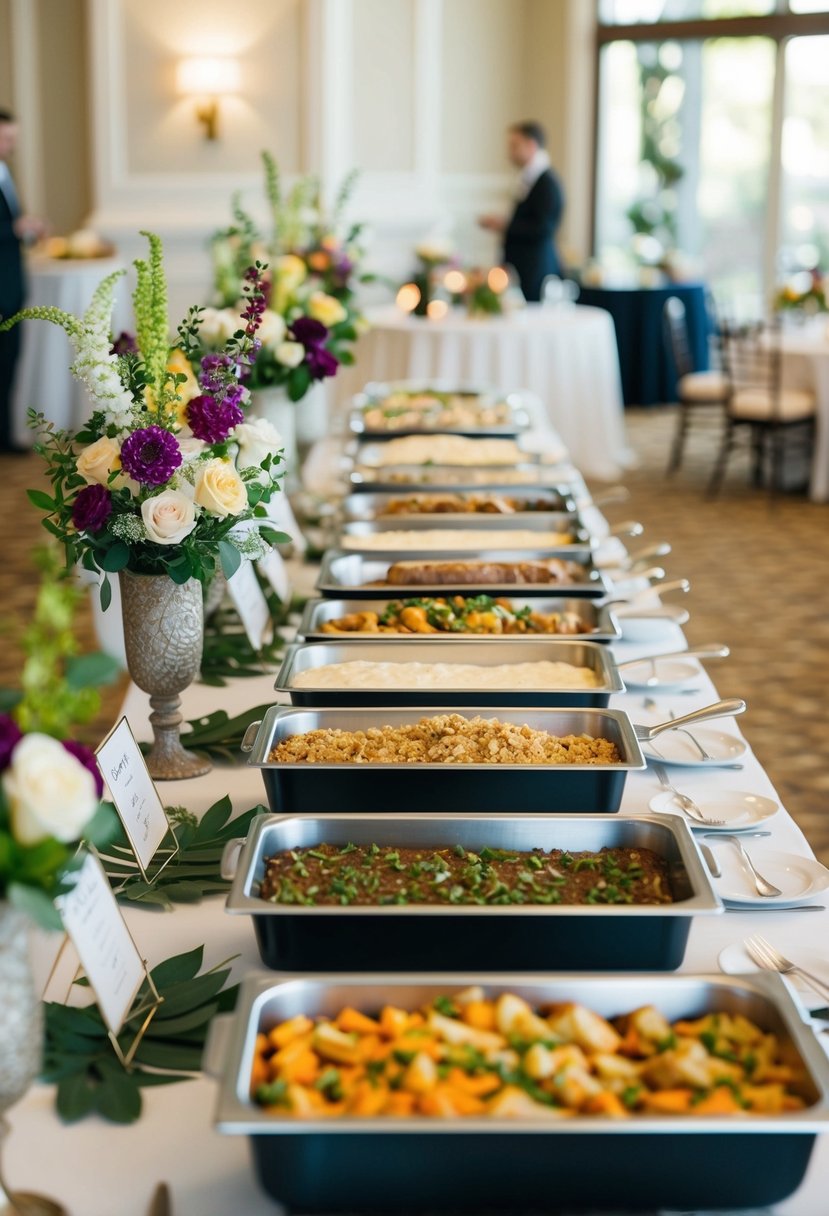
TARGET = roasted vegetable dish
x,y
478,614
466,1055
368,874
473,504
444,739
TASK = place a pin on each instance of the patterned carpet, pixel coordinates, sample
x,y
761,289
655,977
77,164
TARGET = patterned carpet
x,y
755,569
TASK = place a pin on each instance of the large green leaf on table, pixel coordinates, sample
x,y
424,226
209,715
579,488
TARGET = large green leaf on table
x,y
80,1060
193,872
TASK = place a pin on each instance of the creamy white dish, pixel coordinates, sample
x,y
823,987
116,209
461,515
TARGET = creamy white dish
x,y
475,539
442,449
364,673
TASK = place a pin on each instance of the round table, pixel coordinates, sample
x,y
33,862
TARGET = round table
x,y
805,365
43,380
565,356
648,374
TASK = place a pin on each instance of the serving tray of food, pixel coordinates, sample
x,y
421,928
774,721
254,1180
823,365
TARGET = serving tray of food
x,y
436,758
457,451
537,893
450,477
535,672
383,411
457,618
438,1093
555,505
562,534
491,572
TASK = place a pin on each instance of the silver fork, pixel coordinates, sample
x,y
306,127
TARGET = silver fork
x,y
683,731
765,888
688,805
765,955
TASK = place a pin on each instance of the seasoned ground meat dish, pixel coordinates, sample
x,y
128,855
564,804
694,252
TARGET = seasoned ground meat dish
x,y
368,874
460,504
462,573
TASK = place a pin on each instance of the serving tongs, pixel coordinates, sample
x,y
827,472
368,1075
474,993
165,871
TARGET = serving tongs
x,y
720,709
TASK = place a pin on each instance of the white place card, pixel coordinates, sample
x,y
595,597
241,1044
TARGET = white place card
x,y
249,601
107,953
276,572
133,792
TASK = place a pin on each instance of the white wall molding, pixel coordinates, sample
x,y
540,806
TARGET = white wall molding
x,y
26,81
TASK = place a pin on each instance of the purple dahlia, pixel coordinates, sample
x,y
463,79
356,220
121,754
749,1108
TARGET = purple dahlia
x,y
313,334
92,508
86,757
212,420
10,736
151,455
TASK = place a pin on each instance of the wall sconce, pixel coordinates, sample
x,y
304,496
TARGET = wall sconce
x,y
208,80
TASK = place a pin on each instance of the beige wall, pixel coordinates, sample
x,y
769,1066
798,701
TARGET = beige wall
x,y
6,88
384,94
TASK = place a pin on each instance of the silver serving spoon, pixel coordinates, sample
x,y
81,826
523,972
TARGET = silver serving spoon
x,y
765,888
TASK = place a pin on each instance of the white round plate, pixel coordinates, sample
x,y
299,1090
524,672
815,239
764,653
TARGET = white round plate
x,y
735,960
676,748
740,810
669,673
799,878
652,628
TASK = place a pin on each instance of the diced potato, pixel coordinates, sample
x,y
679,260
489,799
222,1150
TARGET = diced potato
x,y
538,1062
393,1021
473,995
514,1016
650,1024
765,1099
686,1064
576,1024
616,1068
514,1103
574,1086
280,1036
301,1101
332,1044
455,1031
421,1075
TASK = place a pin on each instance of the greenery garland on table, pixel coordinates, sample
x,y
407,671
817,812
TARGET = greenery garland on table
x,y
219,736
193,872
81,1060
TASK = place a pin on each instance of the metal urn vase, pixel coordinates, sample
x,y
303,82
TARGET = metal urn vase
x,y
21,1038
163,635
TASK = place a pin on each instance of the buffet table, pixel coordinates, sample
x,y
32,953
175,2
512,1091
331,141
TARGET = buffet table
x,y
44,382
566,356
806,366
97,1168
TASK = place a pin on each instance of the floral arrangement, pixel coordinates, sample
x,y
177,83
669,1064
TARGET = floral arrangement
x,y
311,319
440,281
168,467
807,291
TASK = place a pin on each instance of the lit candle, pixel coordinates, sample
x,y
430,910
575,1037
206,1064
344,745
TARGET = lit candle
x,y
498,279
408,297
436,309
455,282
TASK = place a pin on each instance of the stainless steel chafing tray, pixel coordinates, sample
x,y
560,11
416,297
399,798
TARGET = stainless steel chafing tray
x,y
455,476
355,788
600,619
355,575
559,506
372,455
308,656
437,937
374,395
357,536
480,1165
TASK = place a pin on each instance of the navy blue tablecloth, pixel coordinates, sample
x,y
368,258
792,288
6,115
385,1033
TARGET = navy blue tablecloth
x,y
648,375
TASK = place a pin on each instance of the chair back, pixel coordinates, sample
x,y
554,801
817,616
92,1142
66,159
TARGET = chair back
x,y
675,328
752,359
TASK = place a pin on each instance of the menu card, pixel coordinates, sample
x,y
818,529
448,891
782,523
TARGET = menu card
x,y
249,601
107,953
133,792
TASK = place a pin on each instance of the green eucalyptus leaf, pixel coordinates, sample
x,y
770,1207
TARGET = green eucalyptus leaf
x,y
230,558
106,594
92,670
178,969
214,818
77,1096
115,557
119,1099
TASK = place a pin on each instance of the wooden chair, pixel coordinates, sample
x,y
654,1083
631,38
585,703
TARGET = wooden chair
x,y
770,416
696,391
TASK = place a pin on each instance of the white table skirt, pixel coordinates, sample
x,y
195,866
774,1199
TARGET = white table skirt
x,y
567,357
806,366
43,380
97,1169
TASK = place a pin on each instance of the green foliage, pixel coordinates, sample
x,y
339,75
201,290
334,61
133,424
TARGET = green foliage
x,y
81,1061
151,321
193,872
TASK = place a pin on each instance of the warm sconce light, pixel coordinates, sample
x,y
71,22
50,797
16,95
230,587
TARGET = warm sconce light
x,y
498,279
408,297
436,310
208,80
455,282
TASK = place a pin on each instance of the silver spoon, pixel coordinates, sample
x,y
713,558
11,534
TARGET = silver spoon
x,y
765,888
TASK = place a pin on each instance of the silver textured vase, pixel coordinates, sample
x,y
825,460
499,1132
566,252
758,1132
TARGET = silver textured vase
x,y
163,635
21,1038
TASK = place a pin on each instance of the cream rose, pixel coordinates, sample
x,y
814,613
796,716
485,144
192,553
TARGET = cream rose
x,y
257,438
290,354
220,489
49,792
168,517
271,328
326,309
96,462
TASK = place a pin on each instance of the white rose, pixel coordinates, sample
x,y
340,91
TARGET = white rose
x,y
168,517
220,489
257,438
49,792
326,309
190,446
271,328
290,354
209,331
229,324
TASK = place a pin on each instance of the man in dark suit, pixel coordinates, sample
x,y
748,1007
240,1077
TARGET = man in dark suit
x,y
529,235
14,229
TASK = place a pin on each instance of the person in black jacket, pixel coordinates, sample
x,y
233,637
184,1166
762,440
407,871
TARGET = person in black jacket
x,y
14,229
529,234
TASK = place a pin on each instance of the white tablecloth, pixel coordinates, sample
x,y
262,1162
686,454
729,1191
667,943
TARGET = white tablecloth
x,y
567,357
98,1169
43,380
806,365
